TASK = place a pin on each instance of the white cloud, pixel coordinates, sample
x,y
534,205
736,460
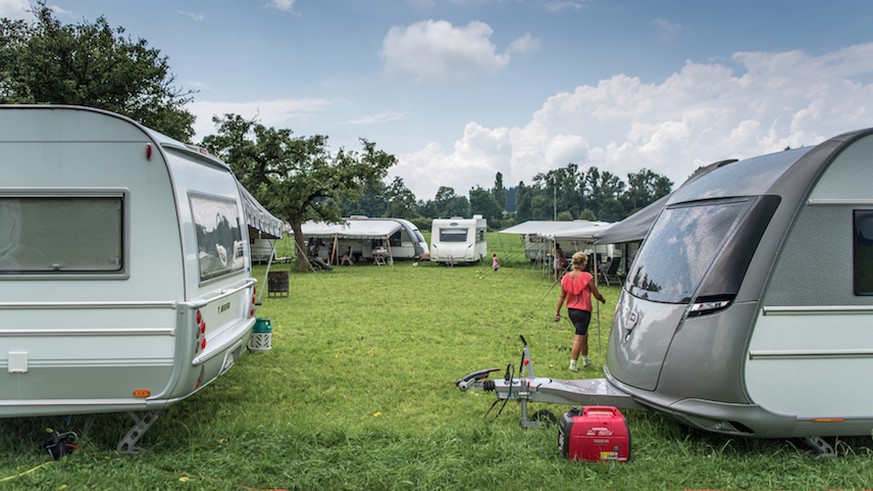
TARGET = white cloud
x,y
283,5
15,9
668,28
703,113
269,113
437,50
566,5
198,17
526,44
382,117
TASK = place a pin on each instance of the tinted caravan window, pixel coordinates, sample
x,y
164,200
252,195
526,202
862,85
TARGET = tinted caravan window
x,y
863,252
453,235
680,248
219,236
63,234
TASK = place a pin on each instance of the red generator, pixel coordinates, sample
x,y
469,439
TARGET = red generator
x,y
594,434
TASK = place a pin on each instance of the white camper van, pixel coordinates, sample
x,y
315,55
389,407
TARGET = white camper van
x,y
124,268
458,240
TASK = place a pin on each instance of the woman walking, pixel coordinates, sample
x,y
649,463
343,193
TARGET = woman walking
x,y
577,286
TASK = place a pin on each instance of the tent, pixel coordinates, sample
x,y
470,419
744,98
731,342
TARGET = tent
x,y
357,235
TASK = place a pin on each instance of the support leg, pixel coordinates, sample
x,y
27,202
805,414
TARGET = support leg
x,y
128,444
819,446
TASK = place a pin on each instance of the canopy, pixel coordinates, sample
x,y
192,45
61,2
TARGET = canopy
x,y
634,227
546,227
588,233
352,229
258,218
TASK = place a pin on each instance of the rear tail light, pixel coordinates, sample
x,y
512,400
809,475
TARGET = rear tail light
x,y
199,333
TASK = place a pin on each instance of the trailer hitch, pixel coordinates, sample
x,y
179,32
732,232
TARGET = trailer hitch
x,y
530,388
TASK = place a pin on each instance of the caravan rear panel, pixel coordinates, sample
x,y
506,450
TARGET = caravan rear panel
x,y
124,273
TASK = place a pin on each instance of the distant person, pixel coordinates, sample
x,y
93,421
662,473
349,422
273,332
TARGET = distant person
x,y
494,262
559,262
577,286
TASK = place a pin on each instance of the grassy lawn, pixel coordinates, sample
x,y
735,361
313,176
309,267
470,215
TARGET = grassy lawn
x,y
358,393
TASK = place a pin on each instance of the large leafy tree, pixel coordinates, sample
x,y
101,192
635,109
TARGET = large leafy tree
x,y
90,64
296,178
482,202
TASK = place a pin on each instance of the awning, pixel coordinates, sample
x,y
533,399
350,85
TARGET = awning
x,y
352,229
634,227
545,227
258,218
588,233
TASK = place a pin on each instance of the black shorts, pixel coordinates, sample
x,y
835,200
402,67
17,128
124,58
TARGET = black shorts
x,y
580,320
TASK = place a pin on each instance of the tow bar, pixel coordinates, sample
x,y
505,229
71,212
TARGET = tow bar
x,y
584,392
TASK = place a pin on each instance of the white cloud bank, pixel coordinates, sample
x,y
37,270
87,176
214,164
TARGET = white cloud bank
x,y
703,113
437,50
15,9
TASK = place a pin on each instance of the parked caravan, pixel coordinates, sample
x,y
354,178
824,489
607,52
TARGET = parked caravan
x,y
458,240
357,238
124,266
748,308
405,243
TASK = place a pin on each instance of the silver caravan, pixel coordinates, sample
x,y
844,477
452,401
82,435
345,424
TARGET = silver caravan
x,y
749,306
458,240
124,269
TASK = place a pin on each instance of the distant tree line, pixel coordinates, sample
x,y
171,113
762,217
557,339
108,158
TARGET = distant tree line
x,y
567,193
297,178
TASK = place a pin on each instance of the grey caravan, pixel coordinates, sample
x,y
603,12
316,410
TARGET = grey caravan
x,y
124,271
749,307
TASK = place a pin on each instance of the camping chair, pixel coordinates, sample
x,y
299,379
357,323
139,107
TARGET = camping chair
x,y
611,271
347,258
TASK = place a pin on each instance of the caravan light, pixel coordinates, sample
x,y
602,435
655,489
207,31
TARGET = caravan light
x,y
708,306
148,151
203,343
141,393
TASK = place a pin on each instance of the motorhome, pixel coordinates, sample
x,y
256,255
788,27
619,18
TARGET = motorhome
x,y
458,240
747,310
125,275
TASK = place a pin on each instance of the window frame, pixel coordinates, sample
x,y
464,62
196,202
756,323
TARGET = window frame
x,y
120,194
856,260
235,206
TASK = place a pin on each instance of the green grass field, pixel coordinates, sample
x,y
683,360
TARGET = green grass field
x,y
358,393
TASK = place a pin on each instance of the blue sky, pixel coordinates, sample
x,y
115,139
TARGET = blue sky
x,y
459,90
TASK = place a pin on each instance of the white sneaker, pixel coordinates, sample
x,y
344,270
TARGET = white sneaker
x,y
586,362
573,367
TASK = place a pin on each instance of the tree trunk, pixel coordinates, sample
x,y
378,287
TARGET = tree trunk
x,y
302,252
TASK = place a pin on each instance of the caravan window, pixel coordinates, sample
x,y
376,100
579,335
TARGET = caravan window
x,y
220,246
394,240
453,235
863,252
680,248
61,234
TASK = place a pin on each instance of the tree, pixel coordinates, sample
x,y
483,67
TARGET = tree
x,y
482,202
449,204
93,65
644,187
401,201
296,178
499,191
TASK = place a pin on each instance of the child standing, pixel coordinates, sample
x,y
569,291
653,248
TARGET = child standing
x,y
494,263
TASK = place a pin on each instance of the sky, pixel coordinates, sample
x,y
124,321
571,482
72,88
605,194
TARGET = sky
x,y
459,90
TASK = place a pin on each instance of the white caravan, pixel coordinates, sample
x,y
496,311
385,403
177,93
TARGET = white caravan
x,y
124,267
458,240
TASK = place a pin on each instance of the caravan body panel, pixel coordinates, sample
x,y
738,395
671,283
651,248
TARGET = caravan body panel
x,y
112,239
458,240
764,336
